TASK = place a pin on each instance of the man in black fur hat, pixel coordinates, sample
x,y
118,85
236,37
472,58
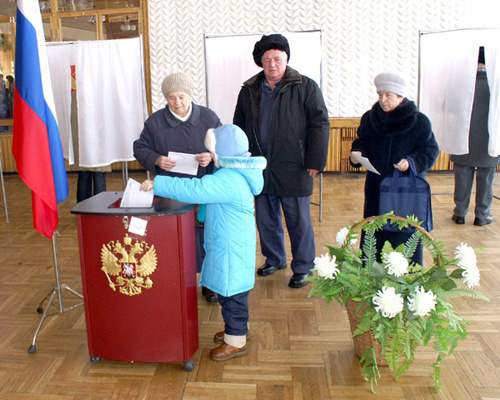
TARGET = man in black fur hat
x,y
285,118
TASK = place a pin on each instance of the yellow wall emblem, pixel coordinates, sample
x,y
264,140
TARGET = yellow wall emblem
x,y
130,275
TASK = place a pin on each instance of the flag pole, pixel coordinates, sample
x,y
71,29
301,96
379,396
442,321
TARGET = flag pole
x,y
36,131
57,290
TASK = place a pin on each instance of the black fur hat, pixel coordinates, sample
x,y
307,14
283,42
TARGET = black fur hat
x,y
275,41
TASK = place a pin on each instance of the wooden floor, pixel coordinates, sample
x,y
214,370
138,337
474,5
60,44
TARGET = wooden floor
x,y
300,348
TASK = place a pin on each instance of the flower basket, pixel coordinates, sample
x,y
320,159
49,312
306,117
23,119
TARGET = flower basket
x,y
395,305
365,340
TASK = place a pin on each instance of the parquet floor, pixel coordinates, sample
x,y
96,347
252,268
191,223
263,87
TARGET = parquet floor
x,y
300,348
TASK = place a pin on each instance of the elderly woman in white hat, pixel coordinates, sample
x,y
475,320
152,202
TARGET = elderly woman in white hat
x,y
392,135
179,127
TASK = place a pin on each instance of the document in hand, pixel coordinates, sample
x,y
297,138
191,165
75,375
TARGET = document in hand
x,y
366,163
133,197
184,163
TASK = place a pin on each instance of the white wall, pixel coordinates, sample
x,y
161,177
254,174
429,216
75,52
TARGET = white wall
x,y
360,38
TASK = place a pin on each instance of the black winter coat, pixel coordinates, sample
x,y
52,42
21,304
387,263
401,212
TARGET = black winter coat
x,y
385,139
298,136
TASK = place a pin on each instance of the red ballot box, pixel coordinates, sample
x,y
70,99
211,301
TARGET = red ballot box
x,y
139,279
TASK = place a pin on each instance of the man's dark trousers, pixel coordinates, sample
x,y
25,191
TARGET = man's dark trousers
x,y
298,222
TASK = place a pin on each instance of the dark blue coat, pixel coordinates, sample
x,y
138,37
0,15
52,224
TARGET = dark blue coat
x,y
386,139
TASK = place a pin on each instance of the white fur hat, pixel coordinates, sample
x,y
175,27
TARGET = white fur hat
x,y
390,82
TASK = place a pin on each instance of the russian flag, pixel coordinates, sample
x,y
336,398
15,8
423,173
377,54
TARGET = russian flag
x,y
36,144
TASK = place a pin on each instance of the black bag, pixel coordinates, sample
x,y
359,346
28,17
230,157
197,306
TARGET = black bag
x,y
406,195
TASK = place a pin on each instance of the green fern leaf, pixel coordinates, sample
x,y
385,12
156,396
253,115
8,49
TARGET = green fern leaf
x,y
410,246
463,292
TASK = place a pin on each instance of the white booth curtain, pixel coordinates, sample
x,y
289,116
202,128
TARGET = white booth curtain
x,y
448,66
229,63
111,98
492,60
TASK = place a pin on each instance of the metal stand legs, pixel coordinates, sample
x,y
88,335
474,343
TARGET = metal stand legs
x,y
320,201
4,205
56,290
124,174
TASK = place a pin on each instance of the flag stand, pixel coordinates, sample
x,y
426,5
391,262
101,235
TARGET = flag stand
x,y
4,205
56,290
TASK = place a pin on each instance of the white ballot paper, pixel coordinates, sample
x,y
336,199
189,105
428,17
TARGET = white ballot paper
x,y
184,163
134,197
366,163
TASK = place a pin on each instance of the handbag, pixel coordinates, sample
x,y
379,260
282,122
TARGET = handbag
x,y
406,195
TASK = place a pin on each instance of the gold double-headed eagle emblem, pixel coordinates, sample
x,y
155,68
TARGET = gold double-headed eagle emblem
x,y
120,261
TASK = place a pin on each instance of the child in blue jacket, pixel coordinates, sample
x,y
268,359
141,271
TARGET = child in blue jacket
x,y
230,238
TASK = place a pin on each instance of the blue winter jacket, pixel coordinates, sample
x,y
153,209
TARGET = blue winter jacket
x,y
230,235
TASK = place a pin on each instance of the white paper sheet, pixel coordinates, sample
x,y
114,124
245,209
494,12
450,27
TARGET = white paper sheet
x,y
138,226
185,163
366,163
134,197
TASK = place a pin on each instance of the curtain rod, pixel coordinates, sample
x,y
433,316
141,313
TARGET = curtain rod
x,y
458,29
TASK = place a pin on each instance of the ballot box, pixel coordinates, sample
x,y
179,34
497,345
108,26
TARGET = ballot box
x,y
139,279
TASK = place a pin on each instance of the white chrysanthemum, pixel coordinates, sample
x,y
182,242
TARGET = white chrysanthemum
x,y
466,256
396,263
467,260
422,302
388,302
326,268
471,276
342,236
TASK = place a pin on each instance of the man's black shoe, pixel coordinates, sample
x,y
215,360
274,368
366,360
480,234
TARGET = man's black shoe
x,y
267,269
483,221
458,220
298,280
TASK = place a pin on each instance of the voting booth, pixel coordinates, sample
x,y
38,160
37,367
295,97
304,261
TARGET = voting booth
x,y
138,270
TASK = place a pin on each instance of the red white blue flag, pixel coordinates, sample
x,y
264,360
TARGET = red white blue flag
x,y
36,142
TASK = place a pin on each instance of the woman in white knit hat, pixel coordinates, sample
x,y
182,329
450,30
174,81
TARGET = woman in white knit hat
x,y
393,135
179,127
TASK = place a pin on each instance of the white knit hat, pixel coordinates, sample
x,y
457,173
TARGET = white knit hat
x,y
390,82
177,82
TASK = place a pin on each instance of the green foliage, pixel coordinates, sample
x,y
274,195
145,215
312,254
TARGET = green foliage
x,y
411,245
370,368
361,277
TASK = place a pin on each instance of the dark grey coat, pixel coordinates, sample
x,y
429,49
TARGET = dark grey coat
x,y
478,133
163,133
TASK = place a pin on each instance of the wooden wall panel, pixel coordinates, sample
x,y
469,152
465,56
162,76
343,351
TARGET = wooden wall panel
x,y
8,162
342,133
443,163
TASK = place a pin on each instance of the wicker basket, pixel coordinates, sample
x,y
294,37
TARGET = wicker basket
x,y
367,340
